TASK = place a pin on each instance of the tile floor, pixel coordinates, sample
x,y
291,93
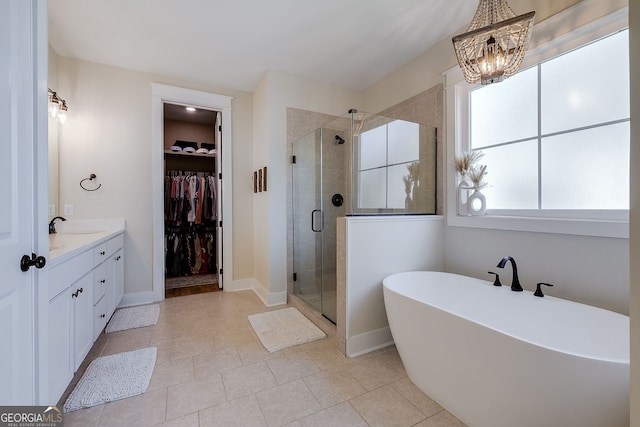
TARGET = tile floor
x,y
212,370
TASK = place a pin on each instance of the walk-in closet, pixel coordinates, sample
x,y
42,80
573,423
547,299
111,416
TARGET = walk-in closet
x,y
192,246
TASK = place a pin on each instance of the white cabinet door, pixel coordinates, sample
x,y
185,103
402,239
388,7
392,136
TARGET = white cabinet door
x,y
82,294
119,275
60,357
115,281
19,116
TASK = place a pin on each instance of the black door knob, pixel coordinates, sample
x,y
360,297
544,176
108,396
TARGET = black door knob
x,y
27,262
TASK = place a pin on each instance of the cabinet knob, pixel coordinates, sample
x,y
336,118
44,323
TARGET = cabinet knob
x,y
103,315
80,290
103,281
102,253
118,258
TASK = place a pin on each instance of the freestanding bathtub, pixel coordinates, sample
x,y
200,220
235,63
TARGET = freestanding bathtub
x,y
499,358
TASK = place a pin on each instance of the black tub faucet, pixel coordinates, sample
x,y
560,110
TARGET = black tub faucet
x,y
515,283
538,291
52,224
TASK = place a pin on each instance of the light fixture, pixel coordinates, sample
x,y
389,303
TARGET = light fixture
x,y
57,107
190,109
494,46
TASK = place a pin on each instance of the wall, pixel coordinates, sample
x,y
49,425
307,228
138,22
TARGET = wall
x,y
275,93
368,250
634,223
187,131
110,124
592,270
54,192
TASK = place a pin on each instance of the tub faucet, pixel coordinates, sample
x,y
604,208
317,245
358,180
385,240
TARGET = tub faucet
x,y
52,224
515,283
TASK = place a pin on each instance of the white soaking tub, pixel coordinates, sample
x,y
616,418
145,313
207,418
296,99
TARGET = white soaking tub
x,y
499,358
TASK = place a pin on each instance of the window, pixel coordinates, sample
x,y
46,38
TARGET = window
x,y
385,153
556,136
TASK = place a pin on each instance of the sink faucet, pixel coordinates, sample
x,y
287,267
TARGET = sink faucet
x,y
52,224
515,283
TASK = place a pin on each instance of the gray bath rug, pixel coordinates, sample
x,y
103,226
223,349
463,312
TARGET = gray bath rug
x,y
284,328
133,317
113,377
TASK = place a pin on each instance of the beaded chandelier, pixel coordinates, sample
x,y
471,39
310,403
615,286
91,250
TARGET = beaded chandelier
x,y
494,46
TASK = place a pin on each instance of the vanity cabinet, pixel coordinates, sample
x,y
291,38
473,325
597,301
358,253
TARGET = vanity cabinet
x,y
84,291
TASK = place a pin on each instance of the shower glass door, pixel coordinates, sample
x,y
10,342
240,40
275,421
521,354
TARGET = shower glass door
x,y
308,219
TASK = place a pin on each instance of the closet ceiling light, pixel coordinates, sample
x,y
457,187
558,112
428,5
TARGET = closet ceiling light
x,y
190,109
494,46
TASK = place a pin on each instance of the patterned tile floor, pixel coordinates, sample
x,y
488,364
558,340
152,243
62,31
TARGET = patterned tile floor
x,y
212,370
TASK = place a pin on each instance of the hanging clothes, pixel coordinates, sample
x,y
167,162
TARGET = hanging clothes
x,y
190,224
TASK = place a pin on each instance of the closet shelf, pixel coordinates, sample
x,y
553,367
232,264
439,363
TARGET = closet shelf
x,y
182,153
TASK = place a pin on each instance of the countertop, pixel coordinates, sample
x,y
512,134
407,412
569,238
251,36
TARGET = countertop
x,y
76,236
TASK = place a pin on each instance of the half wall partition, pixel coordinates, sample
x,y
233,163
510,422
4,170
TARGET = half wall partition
x,y
357,164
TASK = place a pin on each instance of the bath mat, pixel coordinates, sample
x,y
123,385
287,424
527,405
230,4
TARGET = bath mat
x,y
284,328
133,317
113,377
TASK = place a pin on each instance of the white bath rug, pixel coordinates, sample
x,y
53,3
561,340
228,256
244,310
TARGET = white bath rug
x,y
284,328
113,377
133,317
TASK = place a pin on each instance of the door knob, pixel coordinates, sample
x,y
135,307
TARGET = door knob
x,y
26,263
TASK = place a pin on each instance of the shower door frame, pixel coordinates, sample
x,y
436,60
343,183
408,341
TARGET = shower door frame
x,y
308,221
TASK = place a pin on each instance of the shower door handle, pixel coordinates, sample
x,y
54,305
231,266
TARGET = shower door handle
x,y
313,221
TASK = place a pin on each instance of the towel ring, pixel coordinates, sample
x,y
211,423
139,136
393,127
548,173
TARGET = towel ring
x,y
91,178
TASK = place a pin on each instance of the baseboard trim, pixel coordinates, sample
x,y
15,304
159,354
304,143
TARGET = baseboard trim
x,y
369,341
139,298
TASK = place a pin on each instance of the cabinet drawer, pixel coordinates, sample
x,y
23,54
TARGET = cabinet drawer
x,y
62,275
100,253
100,280
100,317
114,244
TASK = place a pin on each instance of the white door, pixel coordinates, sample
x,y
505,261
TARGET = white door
x,y
18,134
219,197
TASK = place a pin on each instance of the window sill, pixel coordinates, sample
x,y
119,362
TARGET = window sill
x,y
580,227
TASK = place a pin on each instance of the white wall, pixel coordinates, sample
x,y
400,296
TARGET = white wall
x,y
592,270
276,92
634,224
370,249
109,133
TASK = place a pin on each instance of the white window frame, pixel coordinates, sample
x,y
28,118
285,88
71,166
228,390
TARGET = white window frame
x,y
544,45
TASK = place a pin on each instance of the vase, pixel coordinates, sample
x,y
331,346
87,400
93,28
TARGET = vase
x,y
463,197
477,203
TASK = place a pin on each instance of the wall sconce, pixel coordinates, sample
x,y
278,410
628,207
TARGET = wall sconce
x,y
494,46
57,107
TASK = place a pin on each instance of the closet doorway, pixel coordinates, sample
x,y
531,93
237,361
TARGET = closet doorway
x,y
192,214
160,95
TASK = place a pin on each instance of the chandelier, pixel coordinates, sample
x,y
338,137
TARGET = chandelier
x,y
494,45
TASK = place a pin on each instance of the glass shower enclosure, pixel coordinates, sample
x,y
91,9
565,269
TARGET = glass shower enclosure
x,y
357,164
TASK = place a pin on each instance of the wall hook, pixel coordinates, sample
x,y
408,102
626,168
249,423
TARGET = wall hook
x,y
91,178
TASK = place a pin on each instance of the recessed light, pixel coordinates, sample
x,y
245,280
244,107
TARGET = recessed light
x,y
191,109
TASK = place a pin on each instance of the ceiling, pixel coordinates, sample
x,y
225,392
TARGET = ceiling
x,y
232,43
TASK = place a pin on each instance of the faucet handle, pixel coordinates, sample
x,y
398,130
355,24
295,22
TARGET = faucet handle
x,y
538,291
496,282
